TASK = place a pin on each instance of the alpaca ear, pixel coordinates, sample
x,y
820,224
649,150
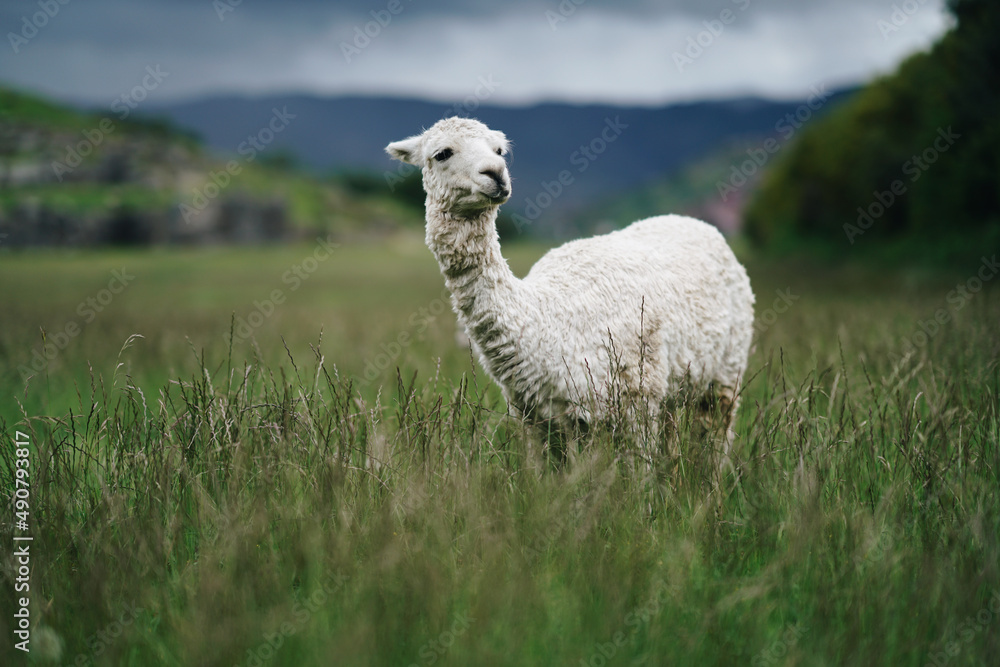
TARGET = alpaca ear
x,y
406,150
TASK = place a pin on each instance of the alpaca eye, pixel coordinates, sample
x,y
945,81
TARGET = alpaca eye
x,y
443,155
499,151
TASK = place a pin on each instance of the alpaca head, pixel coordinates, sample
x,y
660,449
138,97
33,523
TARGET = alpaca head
x,y
462,164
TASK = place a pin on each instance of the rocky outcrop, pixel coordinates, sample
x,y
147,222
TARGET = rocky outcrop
x,y
230,221
97,187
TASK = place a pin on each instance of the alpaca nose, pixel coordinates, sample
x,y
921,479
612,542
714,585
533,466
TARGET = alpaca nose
x,y
497,178
495,175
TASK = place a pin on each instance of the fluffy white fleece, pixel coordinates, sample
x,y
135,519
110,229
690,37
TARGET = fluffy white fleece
x,y
658,307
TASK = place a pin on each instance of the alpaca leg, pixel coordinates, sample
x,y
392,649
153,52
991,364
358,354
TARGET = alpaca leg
x,y
717,412
728,401
714,416
558,434
556,446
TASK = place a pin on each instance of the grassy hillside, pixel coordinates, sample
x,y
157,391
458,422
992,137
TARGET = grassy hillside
x,y
288,498
70,176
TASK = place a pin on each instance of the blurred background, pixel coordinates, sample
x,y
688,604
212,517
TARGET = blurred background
x,y
772,119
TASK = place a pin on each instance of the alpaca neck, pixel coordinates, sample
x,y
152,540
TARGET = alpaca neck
x,y
468,252
489,299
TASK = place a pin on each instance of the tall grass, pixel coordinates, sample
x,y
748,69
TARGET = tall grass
x,y
257,511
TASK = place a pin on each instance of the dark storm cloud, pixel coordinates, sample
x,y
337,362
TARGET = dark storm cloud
x,y
483,8
631,51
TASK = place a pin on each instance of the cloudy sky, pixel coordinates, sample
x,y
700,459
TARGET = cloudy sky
x,y
624,51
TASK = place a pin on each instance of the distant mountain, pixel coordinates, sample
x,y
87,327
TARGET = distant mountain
x,y
605,149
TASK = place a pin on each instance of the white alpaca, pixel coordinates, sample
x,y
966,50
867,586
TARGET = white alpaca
x,y
659,307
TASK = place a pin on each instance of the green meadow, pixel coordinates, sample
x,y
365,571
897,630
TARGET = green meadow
x,y
282,456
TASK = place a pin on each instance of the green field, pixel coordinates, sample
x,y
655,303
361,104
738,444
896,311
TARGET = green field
x,y
290,498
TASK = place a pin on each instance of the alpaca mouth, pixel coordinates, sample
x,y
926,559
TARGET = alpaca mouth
x,y
498,195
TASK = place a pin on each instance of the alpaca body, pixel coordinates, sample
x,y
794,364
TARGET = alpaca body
x,y
651,310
